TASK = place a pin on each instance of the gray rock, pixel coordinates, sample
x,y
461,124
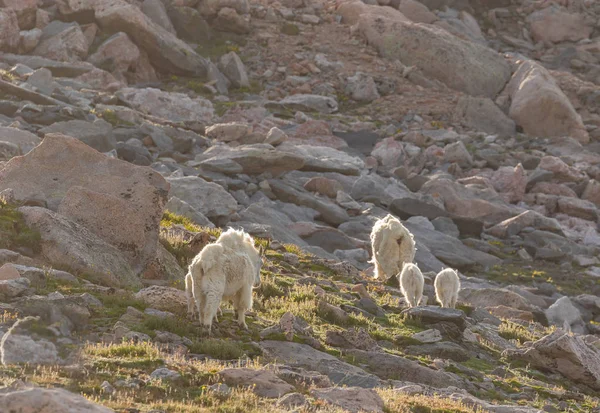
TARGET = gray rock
x,y
42,80
98,134
564,314
444,350
264,383
180,207
156,11
482,114
458,153
10,289
189,24
432,315
257,159
17,346
208,198
351,399
307,103
22,398
392,367
233,68
326,159
447,226
362,88
564,353
292,401
25,141
165,374
301,355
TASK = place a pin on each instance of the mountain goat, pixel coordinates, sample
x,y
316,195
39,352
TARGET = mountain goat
x,y
191,305
225,270
447,286
393,245
411,284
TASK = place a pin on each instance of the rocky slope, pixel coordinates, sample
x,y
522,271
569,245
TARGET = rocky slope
x,y
132,131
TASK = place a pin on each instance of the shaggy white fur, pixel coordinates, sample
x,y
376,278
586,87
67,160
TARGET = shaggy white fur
x,y
447,286
411,283
393,245
225,270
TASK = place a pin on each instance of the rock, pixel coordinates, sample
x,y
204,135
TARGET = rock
x,y
351,338
564,314
61,163
564,353
13,287
428,336
207,197
165,50
508,313
339,372
362,88
493,297
17,346
458,153
9,38
351,399
461,65
444,350
262,382
308,103
555,24
119,55
163,298
510,182
180,207
389,152
165,374
25,11
70,313
9,272
323,186
590,193
554,116
176,107
446,226
233,68
514,226
469,201
275,136
292,401
189,24
482,114
560,170
256,159
577,208
24,140
448,249
228,132
415,11
326,159
98,134
392,367
157,12
67,244
42,81
67,45
328,211
21,398
431,315
228,20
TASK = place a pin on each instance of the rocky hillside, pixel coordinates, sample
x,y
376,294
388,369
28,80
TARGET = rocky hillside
x,y
132,132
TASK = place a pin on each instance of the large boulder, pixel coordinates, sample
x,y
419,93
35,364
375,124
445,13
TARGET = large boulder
x,y
156,10
540,107
166,51
556,24
326,159
24,140
66,174
564,353
482,114
462,65
207,197
69,245
26,399
98,134
302,355
63,42
9,35
175,107
252,159
351,399
120,56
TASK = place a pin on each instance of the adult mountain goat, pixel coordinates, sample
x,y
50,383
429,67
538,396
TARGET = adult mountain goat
x,y
447,286
227,270
393,246
411,283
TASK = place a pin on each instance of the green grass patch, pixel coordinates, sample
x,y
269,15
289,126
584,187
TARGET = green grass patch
x,y
219,349
14,233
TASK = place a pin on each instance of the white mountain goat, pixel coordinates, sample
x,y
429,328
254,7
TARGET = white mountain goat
x,y
411,283
225,270
393,245
191,305
447,286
